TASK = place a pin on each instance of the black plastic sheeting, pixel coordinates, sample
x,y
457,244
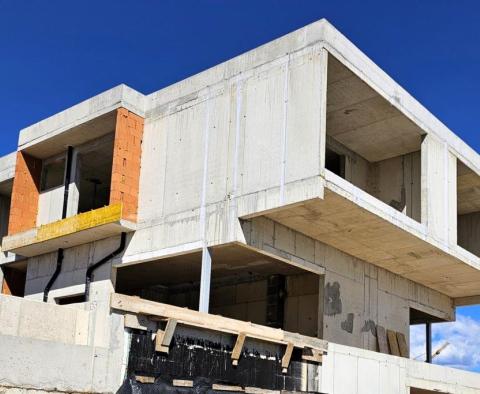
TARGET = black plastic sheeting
x,y
200,386
205,362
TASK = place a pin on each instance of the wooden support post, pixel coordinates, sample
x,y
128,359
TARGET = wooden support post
x,y
313,355
286,357
164,338
139,322
204,299
237,349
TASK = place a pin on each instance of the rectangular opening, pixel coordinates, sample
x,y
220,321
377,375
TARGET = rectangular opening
x,y
418,337
468,209
14,278
335,162
94,174
370,143
245,285
70,299
5,202
415,390
53,173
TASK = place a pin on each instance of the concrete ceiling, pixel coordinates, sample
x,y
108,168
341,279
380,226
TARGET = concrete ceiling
x,y
227,261
341,223
359,118
468,190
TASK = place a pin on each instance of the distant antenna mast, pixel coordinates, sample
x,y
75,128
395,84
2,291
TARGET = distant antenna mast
x,y
440,349
435,353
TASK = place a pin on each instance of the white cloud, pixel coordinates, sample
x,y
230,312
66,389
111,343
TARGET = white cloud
x,y
463,337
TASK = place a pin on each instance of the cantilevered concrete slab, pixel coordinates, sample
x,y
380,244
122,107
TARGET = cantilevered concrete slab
x,y
85,121
358,224
66,233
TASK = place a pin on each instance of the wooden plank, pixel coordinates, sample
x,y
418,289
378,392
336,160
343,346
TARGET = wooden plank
x,y
182,383
286,357
164,337
402,345
382,340
237,349
392,342
213,322
256,390
225,387
145,379
312,355
139,322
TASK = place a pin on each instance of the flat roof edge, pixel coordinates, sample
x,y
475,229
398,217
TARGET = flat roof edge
x,y
7,166
266,53
347,53
364,67
119,96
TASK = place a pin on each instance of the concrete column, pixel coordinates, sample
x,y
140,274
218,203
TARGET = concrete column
x,y
438,190
204,299
73,187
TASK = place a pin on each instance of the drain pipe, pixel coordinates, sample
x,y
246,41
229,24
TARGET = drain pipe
x,y
66,184
54,276
68,178
93,267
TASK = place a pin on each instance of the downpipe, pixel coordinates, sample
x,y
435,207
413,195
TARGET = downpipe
x,y
93,267
54,276
66,184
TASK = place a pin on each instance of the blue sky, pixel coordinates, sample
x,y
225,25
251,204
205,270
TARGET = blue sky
x,y
56,53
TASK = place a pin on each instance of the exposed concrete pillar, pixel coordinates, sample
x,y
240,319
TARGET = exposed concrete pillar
x,y
439,208
204,299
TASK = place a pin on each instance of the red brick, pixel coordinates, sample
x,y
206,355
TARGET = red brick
x,y
25,192
126,162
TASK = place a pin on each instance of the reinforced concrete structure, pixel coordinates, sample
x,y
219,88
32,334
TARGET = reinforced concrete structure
x,y
273,224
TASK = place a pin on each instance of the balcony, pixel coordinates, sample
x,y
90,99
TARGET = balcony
x,y
76,177
382,202
76,230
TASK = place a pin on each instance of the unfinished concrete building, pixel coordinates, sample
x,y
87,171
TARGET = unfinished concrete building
x,y
273,224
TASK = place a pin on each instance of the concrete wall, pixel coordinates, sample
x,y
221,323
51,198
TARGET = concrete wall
x,y
357,295
27,319
71,281
395,181
51,348
247,301
50,205
346,371
220,152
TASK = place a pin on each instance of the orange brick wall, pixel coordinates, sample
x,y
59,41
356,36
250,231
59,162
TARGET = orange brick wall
x,y
127,152
26,186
